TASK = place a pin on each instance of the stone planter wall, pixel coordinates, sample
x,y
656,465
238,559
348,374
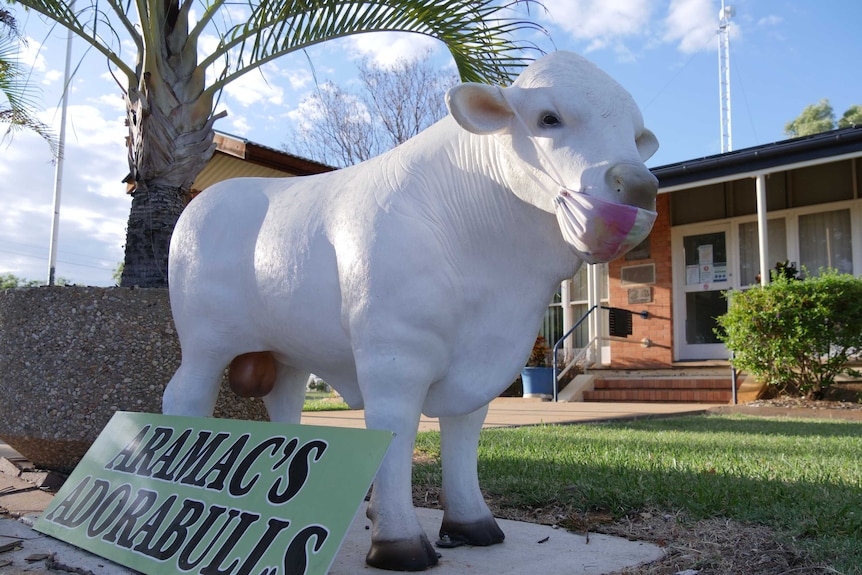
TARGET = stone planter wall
x,y
72,356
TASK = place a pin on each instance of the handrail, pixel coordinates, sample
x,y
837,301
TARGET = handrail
x,y
644,314
562,339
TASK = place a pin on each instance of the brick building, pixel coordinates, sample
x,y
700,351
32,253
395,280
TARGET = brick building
x,y
798,200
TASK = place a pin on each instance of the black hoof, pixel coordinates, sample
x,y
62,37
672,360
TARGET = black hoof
x,y
478,533
402,555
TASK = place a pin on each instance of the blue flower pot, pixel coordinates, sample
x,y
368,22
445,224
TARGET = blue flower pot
x,y
538,382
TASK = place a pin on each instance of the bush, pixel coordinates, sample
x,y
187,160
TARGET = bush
x,y
795,335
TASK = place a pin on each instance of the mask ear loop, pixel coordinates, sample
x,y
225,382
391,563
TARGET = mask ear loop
x,y
554,175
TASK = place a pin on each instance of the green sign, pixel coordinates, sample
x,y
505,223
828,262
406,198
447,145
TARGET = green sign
x,y
164,494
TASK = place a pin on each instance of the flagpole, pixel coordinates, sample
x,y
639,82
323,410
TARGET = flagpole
x,y
58,173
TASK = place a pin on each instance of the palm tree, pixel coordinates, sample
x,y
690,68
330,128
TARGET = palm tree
x,y
15,112
170,101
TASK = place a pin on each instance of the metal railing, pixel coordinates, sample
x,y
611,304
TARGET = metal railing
x,y
583,352
575,358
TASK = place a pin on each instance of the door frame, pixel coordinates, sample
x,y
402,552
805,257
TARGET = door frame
x,y
682,350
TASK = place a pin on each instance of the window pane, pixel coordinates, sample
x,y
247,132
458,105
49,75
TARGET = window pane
x,y
749,248
705,258
701,309
552,325
580,286
824,242
582,334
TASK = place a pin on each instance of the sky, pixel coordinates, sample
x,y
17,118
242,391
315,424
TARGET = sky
x,y
784,55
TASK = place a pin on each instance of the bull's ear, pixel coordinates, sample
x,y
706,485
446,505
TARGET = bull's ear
x,y
479,108
647,144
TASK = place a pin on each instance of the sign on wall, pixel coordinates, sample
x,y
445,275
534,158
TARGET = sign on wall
x,y
164,494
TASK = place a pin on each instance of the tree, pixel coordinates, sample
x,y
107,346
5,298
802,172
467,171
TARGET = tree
x,y
170,100
852,117
340,128
820,117
334,128
408,97
815,118
9,280
15,112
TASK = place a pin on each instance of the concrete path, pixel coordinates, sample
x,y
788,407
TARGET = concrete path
x,y
515,412
528,547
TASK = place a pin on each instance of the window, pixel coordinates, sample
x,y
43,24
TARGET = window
x,y
705,258
824,242
552,324
701,309
749,248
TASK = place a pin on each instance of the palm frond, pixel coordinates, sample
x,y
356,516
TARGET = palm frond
x,y
87,20
478,33
20,96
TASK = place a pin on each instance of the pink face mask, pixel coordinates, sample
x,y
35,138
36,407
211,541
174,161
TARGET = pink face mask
x,y
598,230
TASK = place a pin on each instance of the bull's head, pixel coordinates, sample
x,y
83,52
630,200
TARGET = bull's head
x,y
574,144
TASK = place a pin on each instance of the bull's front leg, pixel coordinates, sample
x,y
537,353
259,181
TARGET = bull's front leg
x,y
398,542
466,519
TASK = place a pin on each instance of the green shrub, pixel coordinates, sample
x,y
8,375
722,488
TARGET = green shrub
x,y
796,336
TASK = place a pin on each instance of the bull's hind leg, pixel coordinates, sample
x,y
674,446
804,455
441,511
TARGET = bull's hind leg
x,y
284,402
466,519
194,388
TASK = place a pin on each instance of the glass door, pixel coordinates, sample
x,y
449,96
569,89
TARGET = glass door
x,y
703,266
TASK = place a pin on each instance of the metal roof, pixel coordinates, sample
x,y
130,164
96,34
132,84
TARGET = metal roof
x,y
820,148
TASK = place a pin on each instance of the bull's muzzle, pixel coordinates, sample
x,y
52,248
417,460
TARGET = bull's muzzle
x,y
634,184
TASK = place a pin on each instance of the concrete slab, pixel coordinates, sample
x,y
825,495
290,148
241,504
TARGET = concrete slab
x,y
528,548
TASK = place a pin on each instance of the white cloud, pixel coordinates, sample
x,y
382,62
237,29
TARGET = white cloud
x,y
771,20
239,125
257,87
385,48
692,25
115,102
614,24
602,23
51,76
30,53
298,78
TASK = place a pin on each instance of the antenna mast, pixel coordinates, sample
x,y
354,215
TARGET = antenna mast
x,y
724,17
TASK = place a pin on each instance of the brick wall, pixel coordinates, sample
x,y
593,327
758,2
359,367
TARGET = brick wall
x,y
659,327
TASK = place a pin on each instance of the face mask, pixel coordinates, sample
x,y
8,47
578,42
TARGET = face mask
x,y
598,230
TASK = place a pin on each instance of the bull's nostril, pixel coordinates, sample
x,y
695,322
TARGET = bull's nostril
x,y
635,185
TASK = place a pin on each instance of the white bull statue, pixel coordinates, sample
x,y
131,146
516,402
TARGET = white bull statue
x,y
414,282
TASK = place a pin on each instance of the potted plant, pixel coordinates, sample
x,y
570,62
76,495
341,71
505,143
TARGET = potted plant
x,y
538,375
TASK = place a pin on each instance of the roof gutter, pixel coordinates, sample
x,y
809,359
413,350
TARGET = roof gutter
x,y
821,148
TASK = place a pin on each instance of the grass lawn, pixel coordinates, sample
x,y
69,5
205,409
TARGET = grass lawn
x,y
803,478
323,401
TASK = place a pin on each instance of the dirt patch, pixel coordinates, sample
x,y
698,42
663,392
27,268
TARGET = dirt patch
x,y
706,547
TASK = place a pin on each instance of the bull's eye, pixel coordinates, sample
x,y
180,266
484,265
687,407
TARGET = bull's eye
x,y
550,120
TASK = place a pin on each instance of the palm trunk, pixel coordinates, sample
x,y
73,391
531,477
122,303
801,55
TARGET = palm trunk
x,y
164,160
154,213
171,139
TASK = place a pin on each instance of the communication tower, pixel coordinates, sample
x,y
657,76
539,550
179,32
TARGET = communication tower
x,y
724,16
